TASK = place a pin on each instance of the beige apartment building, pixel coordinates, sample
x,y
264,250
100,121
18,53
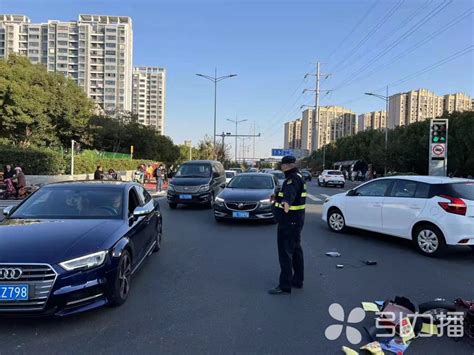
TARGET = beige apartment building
x,y
372,120
307,129
457,102
422,104
334,122
148,96
95,51
293,134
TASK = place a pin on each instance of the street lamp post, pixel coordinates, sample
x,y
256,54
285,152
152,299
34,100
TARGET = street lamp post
x,y
387,108
236,135
215,79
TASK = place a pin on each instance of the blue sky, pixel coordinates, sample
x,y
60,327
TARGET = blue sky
x,y
272,44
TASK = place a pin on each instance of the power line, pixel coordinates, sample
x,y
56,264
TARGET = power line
x,y
387,16
399,27
355,28
414,47
415,27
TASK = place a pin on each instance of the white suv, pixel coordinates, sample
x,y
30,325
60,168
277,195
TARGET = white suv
x,y
331,177
432,211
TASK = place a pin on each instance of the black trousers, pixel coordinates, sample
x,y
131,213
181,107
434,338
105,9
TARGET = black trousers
x,y
290,254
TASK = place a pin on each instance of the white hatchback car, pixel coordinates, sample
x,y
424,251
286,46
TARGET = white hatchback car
x,y
331,177
432,211
229,174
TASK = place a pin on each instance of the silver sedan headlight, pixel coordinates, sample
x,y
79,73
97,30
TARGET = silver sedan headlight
x,y
84,262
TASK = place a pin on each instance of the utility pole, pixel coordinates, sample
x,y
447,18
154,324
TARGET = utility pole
x,y
190,145
239,136
236,121
253,153
72,158
316,124
215,79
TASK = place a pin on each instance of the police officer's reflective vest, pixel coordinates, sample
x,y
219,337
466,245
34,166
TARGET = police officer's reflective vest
x,y
299,204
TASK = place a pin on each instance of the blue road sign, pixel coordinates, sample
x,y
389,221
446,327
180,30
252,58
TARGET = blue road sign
x,y
281,152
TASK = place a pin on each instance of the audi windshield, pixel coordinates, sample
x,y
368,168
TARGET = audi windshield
x,y
251,182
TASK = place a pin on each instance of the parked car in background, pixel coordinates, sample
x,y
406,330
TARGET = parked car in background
x,y
252,170
229,174
75,246
431,211
237,170
196,182
247,196
331,178
306,175
280,175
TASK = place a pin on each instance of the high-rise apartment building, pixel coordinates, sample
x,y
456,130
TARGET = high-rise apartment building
x,y
372,120
334,122
148,96
293,134
415,106
307,117
95,51
457,102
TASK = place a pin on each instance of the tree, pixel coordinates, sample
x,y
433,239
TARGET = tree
x,y
38,108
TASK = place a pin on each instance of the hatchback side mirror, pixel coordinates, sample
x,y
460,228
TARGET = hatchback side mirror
x,y
351,193
8,210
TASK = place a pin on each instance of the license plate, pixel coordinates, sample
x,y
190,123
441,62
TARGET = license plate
x,y
14,292
185,197
240,214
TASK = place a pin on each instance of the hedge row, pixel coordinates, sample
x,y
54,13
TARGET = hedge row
x,y
40,161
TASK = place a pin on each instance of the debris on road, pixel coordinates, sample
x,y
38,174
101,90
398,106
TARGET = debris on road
x,y
373,348
370,307
370,262
333,254
339,266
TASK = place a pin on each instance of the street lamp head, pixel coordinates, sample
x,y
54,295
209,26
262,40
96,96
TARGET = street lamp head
x,y
232,75
368,93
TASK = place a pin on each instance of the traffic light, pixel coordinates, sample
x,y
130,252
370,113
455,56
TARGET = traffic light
x,y
438,132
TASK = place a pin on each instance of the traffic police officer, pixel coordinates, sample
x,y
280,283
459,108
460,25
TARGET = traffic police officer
x,y
289,211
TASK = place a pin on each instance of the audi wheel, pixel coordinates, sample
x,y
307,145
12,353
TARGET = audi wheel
x,y
123,280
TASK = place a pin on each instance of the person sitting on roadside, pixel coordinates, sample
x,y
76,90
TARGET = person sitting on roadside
x,y
20,182
8,172
112,175
99,173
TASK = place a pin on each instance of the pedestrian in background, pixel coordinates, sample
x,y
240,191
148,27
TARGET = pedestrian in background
x,y
8,172
20,182
289,212
99,173
160,177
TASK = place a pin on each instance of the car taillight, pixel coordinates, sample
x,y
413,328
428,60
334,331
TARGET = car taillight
x,y
455,205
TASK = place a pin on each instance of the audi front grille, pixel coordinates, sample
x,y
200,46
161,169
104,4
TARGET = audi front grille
x,y
40,279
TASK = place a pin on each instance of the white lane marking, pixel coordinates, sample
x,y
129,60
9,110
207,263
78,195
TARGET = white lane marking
x,y
314,198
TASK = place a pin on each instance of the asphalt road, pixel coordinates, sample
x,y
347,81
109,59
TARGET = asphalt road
x,y
205,292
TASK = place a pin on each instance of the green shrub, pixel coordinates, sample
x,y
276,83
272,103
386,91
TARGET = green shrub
x,y
88,161
33,161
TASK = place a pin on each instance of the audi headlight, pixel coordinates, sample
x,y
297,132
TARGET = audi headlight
x,y
204,188
84,262
266,202
219,200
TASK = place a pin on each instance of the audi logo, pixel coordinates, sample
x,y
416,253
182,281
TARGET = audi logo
x,y
240,205
10,273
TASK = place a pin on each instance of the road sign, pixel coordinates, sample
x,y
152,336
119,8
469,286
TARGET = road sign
x,y
438,154
281,152
438,150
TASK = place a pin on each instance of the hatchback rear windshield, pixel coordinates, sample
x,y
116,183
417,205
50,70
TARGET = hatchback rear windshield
x,y
334,172
461,190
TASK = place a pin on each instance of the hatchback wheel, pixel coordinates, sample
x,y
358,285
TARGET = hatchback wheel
x,y
336,221
429,240
122,280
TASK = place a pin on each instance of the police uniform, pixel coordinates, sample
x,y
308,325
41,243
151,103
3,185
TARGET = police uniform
x,y
290,225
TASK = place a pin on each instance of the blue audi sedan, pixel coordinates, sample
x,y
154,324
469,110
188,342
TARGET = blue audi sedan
x,y
75,246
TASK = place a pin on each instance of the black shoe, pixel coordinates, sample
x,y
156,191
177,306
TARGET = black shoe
x,y
297,285
278,291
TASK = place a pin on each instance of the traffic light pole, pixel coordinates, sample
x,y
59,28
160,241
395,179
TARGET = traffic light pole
x,y
438,147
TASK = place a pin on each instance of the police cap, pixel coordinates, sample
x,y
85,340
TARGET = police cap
x,y
289,159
